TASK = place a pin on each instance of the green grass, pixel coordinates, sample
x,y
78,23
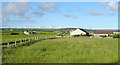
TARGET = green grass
x,y
7,38
65,50
67,34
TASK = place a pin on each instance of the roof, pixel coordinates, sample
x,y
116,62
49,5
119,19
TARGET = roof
x,y
104,31
82,30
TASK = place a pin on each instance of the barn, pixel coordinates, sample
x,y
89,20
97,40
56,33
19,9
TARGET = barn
x,y
78,31
97,33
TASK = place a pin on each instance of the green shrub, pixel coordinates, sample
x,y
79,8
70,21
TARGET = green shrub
x,y
110,36
76,35
102,36
44,49
91,35
116,36
14,33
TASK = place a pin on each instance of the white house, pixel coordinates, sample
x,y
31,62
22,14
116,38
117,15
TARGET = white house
x,y
97,33
116,32
26,33
78,32
29,32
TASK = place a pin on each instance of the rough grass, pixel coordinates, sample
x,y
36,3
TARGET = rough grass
x,y
7,38
65,50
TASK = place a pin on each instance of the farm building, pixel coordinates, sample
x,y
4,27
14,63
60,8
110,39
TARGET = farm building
x,y
78,31
116,32
29,32
97,33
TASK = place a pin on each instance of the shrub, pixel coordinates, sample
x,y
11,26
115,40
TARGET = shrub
x,y
76,35
44,49
82,35
116,36
42,33
102,36
91,35
110,36
14,33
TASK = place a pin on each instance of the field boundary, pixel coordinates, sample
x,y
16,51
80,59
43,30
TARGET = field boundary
x,y
25,40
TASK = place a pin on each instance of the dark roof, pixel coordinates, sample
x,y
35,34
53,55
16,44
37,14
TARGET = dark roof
x,y
104,31
84,31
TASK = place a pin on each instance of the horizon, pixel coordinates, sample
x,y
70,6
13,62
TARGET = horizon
x,y
56,28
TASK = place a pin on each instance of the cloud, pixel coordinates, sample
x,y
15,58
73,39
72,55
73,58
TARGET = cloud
x,y
102,4
79,9
95,13
0,15
68,15
16,8
28,15
69,10
23,0
4,18
48,7
110,6
39,14
75,16
111,13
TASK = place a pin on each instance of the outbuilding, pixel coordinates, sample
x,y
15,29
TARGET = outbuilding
x,y
78,31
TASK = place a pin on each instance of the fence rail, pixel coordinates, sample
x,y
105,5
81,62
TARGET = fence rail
x,y
24,40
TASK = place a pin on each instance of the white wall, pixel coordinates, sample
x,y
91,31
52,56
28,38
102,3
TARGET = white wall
x,y
97,35
77,32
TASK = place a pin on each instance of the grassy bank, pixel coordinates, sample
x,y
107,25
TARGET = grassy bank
x,y
65,50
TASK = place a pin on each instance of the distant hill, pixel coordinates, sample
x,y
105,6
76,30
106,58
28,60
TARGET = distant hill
x,y
52,30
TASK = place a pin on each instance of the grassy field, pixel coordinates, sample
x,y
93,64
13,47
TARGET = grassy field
x,y
65,50
6,38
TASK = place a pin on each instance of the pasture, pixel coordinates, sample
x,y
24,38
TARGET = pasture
x,y
65,50
6,37
18,37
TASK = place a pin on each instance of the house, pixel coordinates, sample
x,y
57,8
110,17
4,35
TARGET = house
x,y
29,32
97,33
78,31
116,32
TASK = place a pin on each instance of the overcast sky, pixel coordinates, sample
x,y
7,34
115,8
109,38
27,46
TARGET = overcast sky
x,y
91,15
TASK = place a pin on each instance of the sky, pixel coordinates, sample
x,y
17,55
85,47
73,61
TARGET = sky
x,y
87,15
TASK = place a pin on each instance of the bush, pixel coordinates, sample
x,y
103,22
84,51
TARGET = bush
x,y
42,33
76,35
91,35
102,36
116,36
14,33
110,36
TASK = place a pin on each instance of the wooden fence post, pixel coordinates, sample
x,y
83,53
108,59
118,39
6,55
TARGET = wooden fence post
x,y
20,40
8,44
15,43
25,39
29,39
37,38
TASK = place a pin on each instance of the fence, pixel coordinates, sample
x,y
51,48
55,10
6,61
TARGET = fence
x,y
24,40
